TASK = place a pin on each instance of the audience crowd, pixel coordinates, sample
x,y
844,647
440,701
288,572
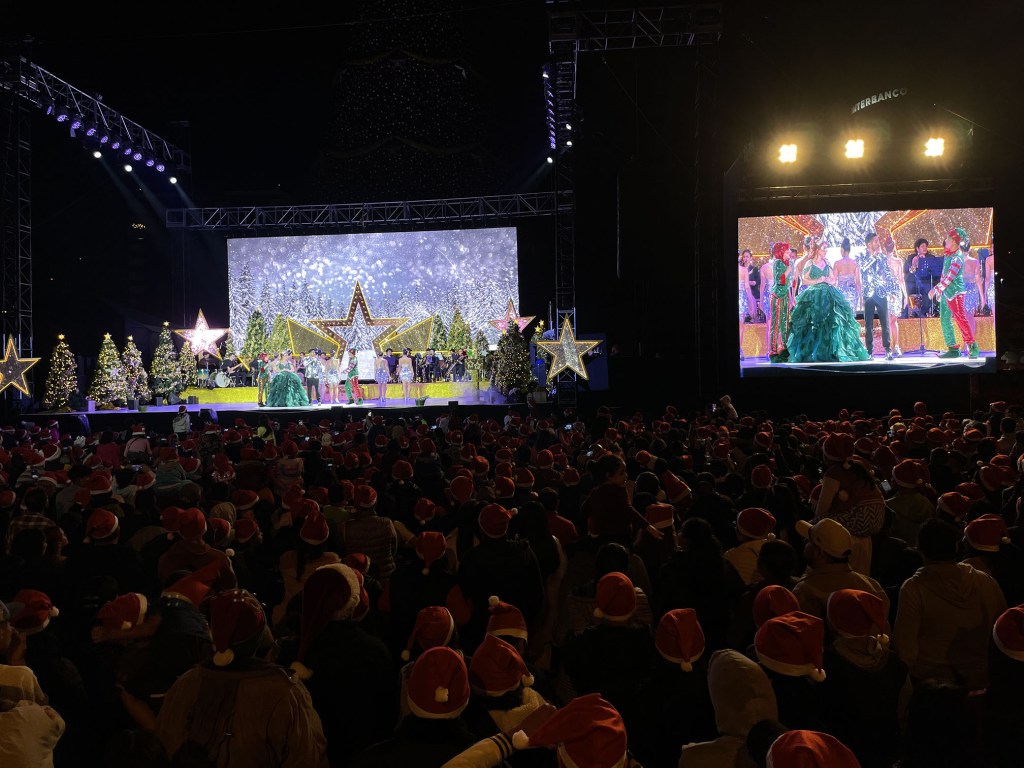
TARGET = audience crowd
x,y
676,589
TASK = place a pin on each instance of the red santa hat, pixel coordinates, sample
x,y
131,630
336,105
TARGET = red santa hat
x,y
314,528
761,476
438,685
756,523
907,474
987,533
8,498
31,611
506,620
424,510
524,478
990,477
856,613
221,534
660,516
236,624
460,490
504,488
1008,632
401,470
244,499
364,497
615,597
124,611
101,525
192,524
331,593
497,668
494,520
430,547
293,495
675,489
98,483
434,628
679,638
571,477
772,601
792,644
838,446
318,494
245,530
588,731
197,585
809,749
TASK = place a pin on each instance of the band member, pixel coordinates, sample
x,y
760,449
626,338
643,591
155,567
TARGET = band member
x,y
352,388
261,372
950,289
392,360
314,365
429,364
778,325
382,376
875,280
917,277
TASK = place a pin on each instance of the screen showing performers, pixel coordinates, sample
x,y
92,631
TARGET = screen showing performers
x,y
466,276
900,291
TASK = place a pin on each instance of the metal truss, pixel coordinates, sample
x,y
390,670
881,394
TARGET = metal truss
x,y
864,189
46,91
361,215
632,28
16,227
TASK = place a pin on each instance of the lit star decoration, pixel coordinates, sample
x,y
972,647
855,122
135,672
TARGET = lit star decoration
x,y
360,335
567,352
512,316
203,338
14,368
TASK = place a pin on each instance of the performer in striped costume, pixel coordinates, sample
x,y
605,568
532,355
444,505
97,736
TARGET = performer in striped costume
x,y
951,288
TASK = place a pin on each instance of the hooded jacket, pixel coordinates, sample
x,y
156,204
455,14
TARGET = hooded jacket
x,y
741,695
943,623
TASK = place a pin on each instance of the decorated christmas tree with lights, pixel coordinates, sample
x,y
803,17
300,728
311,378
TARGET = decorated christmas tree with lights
x,y
166,369
479,351
439,335
135,377
189,372
255,340
513,376
62,380
108,386
279,339
459,335
229,346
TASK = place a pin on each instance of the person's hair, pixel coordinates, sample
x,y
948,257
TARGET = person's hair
x,y
746,250
701,540
1007,424
78,471
549,498
605,466
29,544
937,540
647,482
776,561
846,244
610,558
760,738
107,436
919,242
869,237
35,500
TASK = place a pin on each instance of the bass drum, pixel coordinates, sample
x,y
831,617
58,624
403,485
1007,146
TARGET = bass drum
x,y
222,379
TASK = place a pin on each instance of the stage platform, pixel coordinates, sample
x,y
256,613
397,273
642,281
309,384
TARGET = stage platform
x,y
909,363
463,391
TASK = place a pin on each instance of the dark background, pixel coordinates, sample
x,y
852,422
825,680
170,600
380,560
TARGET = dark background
x,y
419,99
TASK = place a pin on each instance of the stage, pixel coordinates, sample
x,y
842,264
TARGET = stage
x,y
914,362
465,392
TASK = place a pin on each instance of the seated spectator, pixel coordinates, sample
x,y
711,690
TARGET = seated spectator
x,y
754,526
790,649
1002,704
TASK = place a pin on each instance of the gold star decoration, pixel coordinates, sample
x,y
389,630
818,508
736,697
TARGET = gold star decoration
x,y
512,316
203,338
567,352
14,368
359,336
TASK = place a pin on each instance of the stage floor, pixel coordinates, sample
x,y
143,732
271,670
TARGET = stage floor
x,y
910,363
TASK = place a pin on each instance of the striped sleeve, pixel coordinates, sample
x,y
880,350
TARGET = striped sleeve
x,y
950,276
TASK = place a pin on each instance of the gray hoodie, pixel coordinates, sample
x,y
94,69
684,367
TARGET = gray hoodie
x,y
742,695
945,616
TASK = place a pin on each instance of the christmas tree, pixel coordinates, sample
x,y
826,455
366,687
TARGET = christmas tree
x,y
189,374
166,370
62,380
479,351
135,377
439,336
279,340
108,383
538,335
229,346
459,335
513,375
255,336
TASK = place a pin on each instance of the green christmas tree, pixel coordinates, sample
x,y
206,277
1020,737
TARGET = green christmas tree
x,y
479,351
189,374
512,364
62,380
255,336
439,335
166,369
108,387
229,346
459,335
135,377
538,335
278,341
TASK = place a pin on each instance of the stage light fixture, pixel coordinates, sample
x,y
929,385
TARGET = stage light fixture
x,y
934,147
76,124
150,162
855,148
173,179
104,138
90,131
160,167
127,151
568,143
550,159
127,168
115,143
50,109
545,71
137,156
787,153
97,154
568,126
62,115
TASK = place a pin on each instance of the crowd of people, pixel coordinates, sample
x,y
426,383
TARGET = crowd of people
x,y
671,589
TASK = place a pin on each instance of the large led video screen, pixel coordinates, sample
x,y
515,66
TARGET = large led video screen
x,y
907,291
404,279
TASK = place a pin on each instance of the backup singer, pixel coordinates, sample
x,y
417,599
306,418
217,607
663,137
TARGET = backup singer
x,y
778,324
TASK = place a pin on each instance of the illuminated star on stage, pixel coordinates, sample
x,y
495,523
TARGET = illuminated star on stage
x,y
567,352
512,316
359,335
14,368
203,338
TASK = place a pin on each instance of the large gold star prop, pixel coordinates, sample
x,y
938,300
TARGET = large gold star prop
x,y
14,368
359,335
512,316
567,352
203,338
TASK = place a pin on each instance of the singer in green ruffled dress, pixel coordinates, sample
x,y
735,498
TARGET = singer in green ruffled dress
x,y
822,326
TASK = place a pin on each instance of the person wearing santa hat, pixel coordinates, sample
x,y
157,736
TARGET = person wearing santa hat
x,y
191,552
17,680
790,649
1003,708
370,534
105,555
609,513
237,709
754,526
909,505
311,551
949,292
945,613
777,563
810,749
990,550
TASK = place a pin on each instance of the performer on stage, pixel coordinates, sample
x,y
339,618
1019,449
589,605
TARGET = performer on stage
x,y
764,298
778,314
382,375
405,374
796,284
286,390
951,290
353,391
748,307
988,265
314,365
917,279
822,328
847,276
896,297
875,279
972,294
332,369
261,372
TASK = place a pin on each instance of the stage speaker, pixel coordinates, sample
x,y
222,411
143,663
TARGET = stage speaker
x,y
132,404
193,400
453,403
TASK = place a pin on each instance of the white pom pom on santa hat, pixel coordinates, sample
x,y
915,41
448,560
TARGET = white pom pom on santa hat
x,y
493,600
441,694
520,740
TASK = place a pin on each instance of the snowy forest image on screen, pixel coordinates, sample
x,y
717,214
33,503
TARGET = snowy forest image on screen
x,y
412,275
